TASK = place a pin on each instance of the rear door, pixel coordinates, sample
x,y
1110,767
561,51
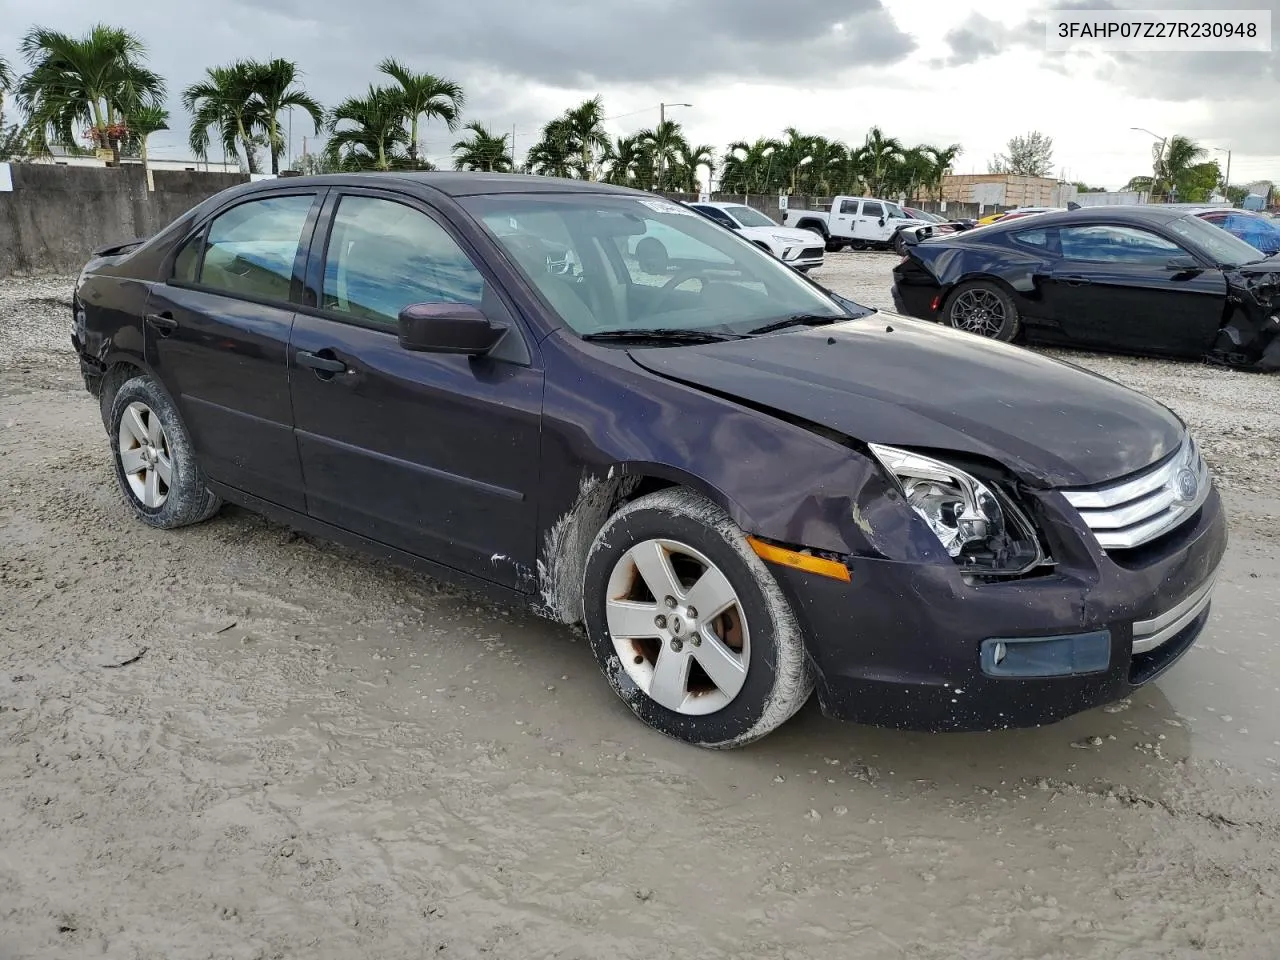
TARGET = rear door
x,y
217,335
843,217
1112,287
434,454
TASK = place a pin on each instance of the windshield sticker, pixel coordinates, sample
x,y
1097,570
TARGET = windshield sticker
x,y
666,206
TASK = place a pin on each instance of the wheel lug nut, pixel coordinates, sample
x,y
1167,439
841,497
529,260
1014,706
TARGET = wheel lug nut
x,y
660,622
670,602
693,613
677,646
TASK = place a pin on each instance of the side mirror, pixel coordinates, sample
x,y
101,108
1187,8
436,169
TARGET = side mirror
x,y
882,221
447,328
1183,265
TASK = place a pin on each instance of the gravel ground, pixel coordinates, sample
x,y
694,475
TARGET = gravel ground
x,y
235,742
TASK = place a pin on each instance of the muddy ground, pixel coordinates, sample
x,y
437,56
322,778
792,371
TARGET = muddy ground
x,y
236,742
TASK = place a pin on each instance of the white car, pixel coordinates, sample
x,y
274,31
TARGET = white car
x,y
797,248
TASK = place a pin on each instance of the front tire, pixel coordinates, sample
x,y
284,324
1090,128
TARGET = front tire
x,y
154,461
688,624
984,309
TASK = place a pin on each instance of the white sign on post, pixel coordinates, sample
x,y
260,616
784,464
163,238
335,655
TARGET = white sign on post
x,y
6,179
704,197
782,201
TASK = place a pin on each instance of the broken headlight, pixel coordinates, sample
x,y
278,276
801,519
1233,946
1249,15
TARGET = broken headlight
x,y
977,524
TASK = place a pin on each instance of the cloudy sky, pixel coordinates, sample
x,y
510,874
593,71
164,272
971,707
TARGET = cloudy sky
x,y
933,71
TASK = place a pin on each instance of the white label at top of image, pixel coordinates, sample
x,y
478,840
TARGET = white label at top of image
x,y
1159,31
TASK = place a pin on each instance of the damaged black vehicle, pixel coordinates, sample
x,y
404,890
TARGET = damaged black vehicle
x,y
595,401
1148,280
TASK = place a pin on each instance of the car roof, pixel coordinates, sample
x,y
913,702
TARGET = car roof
x,y
451,183
1143,214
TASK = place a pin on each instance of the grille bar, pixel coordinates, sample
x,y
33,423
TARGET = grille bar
x,y
1139,509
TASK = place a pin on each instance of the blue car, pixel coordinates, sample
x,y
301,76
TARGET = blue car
x,y
1255,229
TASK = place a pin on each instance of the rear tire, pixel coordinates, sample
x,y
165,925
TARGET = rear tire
x,y
154,461
720,677
982,308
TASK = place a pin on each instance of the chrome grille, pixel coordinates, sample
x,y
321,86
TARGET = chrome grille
x,y
1141,508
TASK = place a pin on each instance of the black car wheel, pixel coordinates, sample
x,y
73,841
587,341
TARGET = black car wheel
x,y
154,462
688,624
983,308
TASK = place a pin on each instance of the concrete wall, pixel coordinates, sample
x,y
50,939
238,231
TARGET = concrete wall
x,y
57,215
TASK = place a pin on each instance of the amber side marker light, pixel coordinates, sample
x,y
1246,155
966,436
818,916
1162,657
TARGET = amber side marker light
x,y
800,561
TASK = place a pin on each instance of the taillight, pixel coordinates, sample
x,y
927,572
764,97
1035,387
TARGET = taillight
x,y
937,302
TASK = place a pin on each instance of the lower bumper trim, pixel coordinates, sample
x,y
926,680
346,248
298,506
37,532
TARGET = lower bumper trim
x,y
1150,634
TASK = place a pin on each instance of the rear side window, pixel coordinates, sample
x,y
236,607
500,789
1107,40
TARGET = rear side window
x,y
1039,239
252,247
848,206
383,256
872,210
1105,243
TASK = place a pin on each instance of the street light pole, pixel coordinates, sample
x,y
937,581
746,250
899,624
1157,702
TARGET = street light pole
x,y
1226,180
1159,154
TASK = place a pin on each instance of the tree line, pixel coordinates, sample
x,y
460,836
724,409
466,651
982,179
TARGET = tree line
x,y
99,89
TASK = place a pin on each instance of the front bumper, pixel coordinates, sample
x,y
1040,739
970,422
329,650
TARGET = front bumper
x,y
911,645
804,258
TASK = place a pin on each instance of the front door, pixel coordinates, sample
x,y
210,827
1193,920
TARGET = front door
x,y
434,454
869,225
217,336
844,218
1113,287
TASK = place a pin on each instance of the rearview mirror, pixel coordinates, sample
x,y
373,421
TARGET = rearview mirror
x,y
1182,265
447,328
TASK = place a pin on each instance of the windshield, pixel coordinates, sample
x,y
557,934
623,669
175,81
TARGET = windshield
x,y
612,263
1223,248
749,217
893,210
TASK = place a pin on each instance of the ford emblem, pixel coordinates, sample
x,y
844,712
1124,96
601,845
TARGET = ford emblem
x,y
1188,484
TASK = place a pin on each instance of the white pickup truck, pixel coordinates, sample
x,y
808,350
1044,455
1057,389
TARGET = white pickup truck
x,y
857,222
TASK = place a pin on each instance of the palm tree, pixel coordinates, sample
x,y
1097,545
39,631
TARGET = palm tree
x,y
482,151
554,154
940,161
585,124
1181,154
665,145
225,100
95,81
749,167
376,133
142,123
272,84
694,158
878,155
426,95
6,80
625,158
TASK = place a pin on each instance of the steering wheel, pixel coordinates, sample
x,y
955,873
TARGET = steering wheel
x,y
668,288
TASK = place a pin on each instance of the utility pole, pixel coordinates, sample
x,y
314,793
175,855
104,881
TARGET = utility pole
x,y
513,149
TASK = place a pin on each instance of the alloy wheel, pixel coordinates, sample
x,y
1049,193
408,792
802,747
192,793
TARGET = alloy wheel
x,y
978,311
145,456
678,627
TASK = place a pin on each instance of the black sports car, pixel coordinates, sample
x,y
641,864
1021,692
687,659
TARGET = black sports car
x,y
596,401
1144,280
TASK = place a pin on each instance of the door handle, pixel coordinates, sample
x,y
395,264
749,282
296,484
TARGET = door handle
x,y
316,362
163,322
1076,281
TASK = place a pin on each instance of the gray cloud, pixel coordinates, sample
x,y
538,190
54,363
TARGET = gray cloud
x,y
980,37
583,43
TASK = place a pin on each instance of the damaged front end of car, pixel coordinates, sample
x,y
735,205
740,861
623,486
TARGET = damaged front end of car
x,y
1250,336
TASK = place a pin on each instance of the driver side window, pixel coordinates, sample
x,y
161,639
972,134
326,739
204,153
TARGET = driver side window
x,y
874,210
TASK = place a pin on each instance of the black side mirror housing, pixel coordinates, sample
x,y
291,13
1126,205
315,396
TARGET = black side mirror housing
x,y
1183,265
447,328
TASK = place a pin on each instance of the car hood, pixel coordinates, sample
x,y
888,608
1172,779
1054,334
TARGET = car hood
x,y
789,234
889,379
